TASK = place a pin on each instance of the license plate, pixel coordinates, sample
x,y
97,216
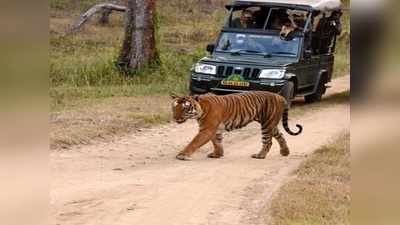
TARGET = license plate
x,y
235,83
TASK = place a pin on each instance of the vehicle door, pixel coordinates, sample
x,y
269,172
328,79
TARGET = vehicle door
x,y
312,67
311,61
307,69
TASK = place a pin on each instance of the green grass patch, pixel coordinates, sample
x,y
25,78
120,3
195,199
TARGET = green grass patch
x,y
342,55
58,4
97,77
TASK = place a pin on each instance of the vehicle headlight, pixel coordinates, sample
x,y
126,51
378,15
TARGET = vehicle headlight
x,y
205,68
272,73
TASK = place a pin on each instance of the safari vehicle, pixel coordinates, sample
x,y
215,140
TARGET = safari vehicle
x,y
261,56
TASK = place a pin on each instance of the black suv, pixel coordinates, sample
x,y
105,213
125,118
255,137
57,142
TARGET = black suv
x,y
256,56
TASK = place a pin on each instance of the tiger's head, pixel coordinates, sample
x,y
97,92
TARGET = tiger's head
x,y
186,107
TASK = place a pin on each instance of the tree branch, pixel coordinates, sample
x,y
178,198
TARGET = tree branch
x,y
93,10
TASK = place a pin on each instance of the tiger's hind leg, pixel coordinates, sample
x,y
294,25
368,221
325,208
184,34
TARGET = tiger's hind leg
x,y
218,148
284,149
266,144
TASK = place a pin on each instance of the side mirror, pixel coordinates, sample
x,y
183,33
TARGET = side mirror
x,y
307,54
210,48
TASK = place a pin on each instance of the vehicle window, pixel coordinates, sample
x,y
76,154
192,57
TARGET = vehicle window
x,y
251,17
258,44
278,17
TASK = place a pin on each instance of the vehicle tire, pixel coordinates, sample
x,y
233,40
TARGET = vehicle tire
x,y
288,92
317,96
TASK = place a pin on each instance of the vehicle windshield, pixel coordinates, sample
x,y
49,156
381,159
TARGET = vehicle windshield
x,y
267,45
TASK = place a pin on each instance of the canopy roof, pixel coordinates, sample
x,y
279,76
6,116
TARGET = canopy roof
x,y
322,5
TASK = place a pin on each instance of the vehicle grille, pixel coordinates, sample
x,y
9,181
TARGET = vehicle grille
x,y
228,71
225,71
255,73
220,71
246,72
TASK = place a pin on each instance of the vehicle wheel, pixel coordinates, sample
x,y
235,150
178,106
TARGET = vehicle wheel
x,y
288,92
317,96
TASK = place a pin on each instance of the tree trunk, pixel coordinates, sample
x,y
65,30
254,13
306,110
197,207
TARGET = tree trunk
x,y
139,45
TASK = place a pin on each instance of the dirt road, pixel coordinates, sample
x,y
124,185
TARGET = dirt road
x,y
136,180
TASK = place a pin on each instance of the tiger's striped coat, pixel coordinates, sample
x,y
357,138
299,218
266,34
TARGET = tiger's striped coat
x,y
216,114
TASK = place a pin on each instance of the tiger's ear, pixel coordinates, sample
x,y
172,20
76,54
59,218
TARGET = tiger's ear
x,y
173,96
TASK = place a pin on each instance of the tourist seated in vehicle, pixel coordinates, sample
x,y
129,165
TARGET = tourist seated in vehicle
x,y
246,20
288,22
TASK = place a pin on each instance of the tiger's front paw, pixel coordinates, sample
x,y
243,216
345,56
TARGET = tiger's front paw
x,y
258,156
285,152
184,157
214,156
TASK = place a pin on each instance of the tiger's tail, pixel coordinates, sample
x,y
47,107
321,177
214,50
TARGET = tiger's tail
x,y
285,123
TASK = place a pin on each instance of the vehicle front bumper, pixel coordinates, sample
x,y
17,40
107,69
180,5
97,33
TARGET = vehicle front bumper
x,y
200,83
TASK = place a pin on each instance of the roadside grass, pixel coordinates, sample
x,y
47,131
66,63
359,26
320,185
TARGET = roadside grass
x,y
320,193
342,55
101,119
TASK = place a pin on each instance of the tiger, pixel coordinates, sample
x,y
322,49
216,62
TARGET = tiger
x,y
218,113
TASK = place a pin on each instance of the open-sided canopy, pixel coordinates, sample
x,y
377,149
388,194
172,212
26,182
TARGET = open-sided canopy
x,y
321,5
